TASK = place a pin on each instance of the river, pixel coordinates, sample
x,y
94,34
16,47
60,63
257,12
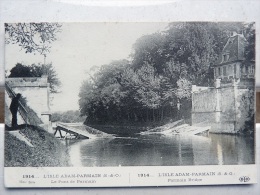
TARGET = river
x,y
155,150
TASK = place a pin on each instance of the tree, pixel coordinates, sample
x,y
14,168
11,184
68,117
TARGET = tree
x,y
70,116
158,78
32,37
197,45
39,70
149,49
184,89
249,31
20,70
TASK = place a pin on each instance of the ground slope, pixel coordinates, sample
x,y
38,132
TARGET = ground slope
x,y
46,151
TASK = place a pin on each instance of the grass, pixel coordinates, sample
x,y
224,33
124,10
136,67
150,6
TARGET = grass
x,y
48,151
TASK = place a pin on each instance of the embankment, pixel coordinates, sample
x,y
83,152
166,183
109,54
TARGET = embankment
x,y
47,151
120,130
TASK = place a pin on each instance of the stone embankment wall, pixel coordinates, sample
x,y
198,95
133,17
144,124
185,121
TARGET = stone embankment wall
x,y
36,93
225,107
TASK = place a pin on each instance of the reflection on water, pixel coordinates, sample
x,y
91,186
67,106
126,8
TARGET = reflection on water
x,y
158,150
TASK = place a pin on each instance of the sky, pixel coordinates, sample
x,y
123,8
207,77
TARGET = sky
x,y
80,46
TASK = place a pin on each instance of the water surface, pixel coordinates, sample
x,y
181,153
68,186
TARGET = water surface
x,y
157,150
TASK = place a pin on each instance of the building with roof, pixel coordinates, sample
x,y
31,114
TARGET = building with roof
x,y
228,107
231,62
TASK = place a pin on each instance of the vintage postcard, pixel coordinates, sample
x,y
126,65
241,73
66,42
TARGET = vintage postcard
x,y
129,104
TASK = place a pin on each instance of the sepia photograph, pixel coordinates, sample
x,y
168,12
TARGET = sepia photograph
x,y
129,94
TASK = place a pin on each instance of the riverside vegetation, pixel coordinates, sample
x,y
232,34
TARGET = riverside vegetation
x,y
47,151
154,85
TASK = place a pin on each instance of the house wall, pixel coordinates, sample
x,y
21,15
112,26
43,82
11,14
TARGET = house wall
x,y
233,70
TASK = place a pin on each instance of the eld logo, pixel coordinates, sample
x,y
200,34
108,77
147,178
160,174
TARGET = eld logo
x,y
244,179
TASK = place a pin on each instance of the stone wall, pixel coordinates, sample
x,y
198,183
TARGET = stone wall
x,y
225,107
36,93
203,105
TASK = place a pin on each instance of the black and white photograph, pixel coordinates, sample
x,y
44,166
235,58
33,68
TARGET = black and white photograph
x,y
130,94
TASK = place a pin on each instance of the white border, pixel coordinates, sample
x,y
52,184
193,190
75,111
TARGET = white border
x,y
129,176
41,10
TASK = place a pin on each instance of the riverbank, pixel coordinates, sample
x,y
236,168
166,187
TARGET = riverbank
x,y
120,130
126,129
47,151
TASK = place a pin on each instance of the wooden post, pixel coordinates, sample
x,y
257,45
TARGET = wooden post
x,y
60,133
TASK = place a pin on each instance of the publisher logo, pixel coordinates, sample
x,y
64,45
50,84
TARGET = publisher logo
x,y
244,179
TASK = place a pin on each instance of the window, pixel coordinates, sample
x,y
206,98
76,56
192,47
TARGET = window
x,y
243,70
219,71
251,69
224,71
231,69
225,57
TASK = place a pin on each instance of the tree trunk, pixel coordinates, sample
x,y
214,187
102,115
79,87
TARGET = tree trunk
x,y
153,115
162,114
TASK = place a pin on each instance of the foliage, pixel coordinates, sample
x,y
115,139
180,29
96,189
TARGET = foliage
x,y
184,89
70,116
249,31
150,49
32,37
38,70
162,69
247,116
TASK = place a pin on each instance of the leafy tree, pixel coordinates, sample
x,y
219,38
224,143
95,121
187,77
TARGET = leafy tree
x,y
249,31
39,70
20,70
247,115
70,116
197,46
163,68
150,49
184,89
32,37
191,45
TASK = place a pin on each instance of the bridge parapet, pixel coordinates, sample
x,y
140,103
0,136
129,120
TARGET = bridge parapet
x,y
35,90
